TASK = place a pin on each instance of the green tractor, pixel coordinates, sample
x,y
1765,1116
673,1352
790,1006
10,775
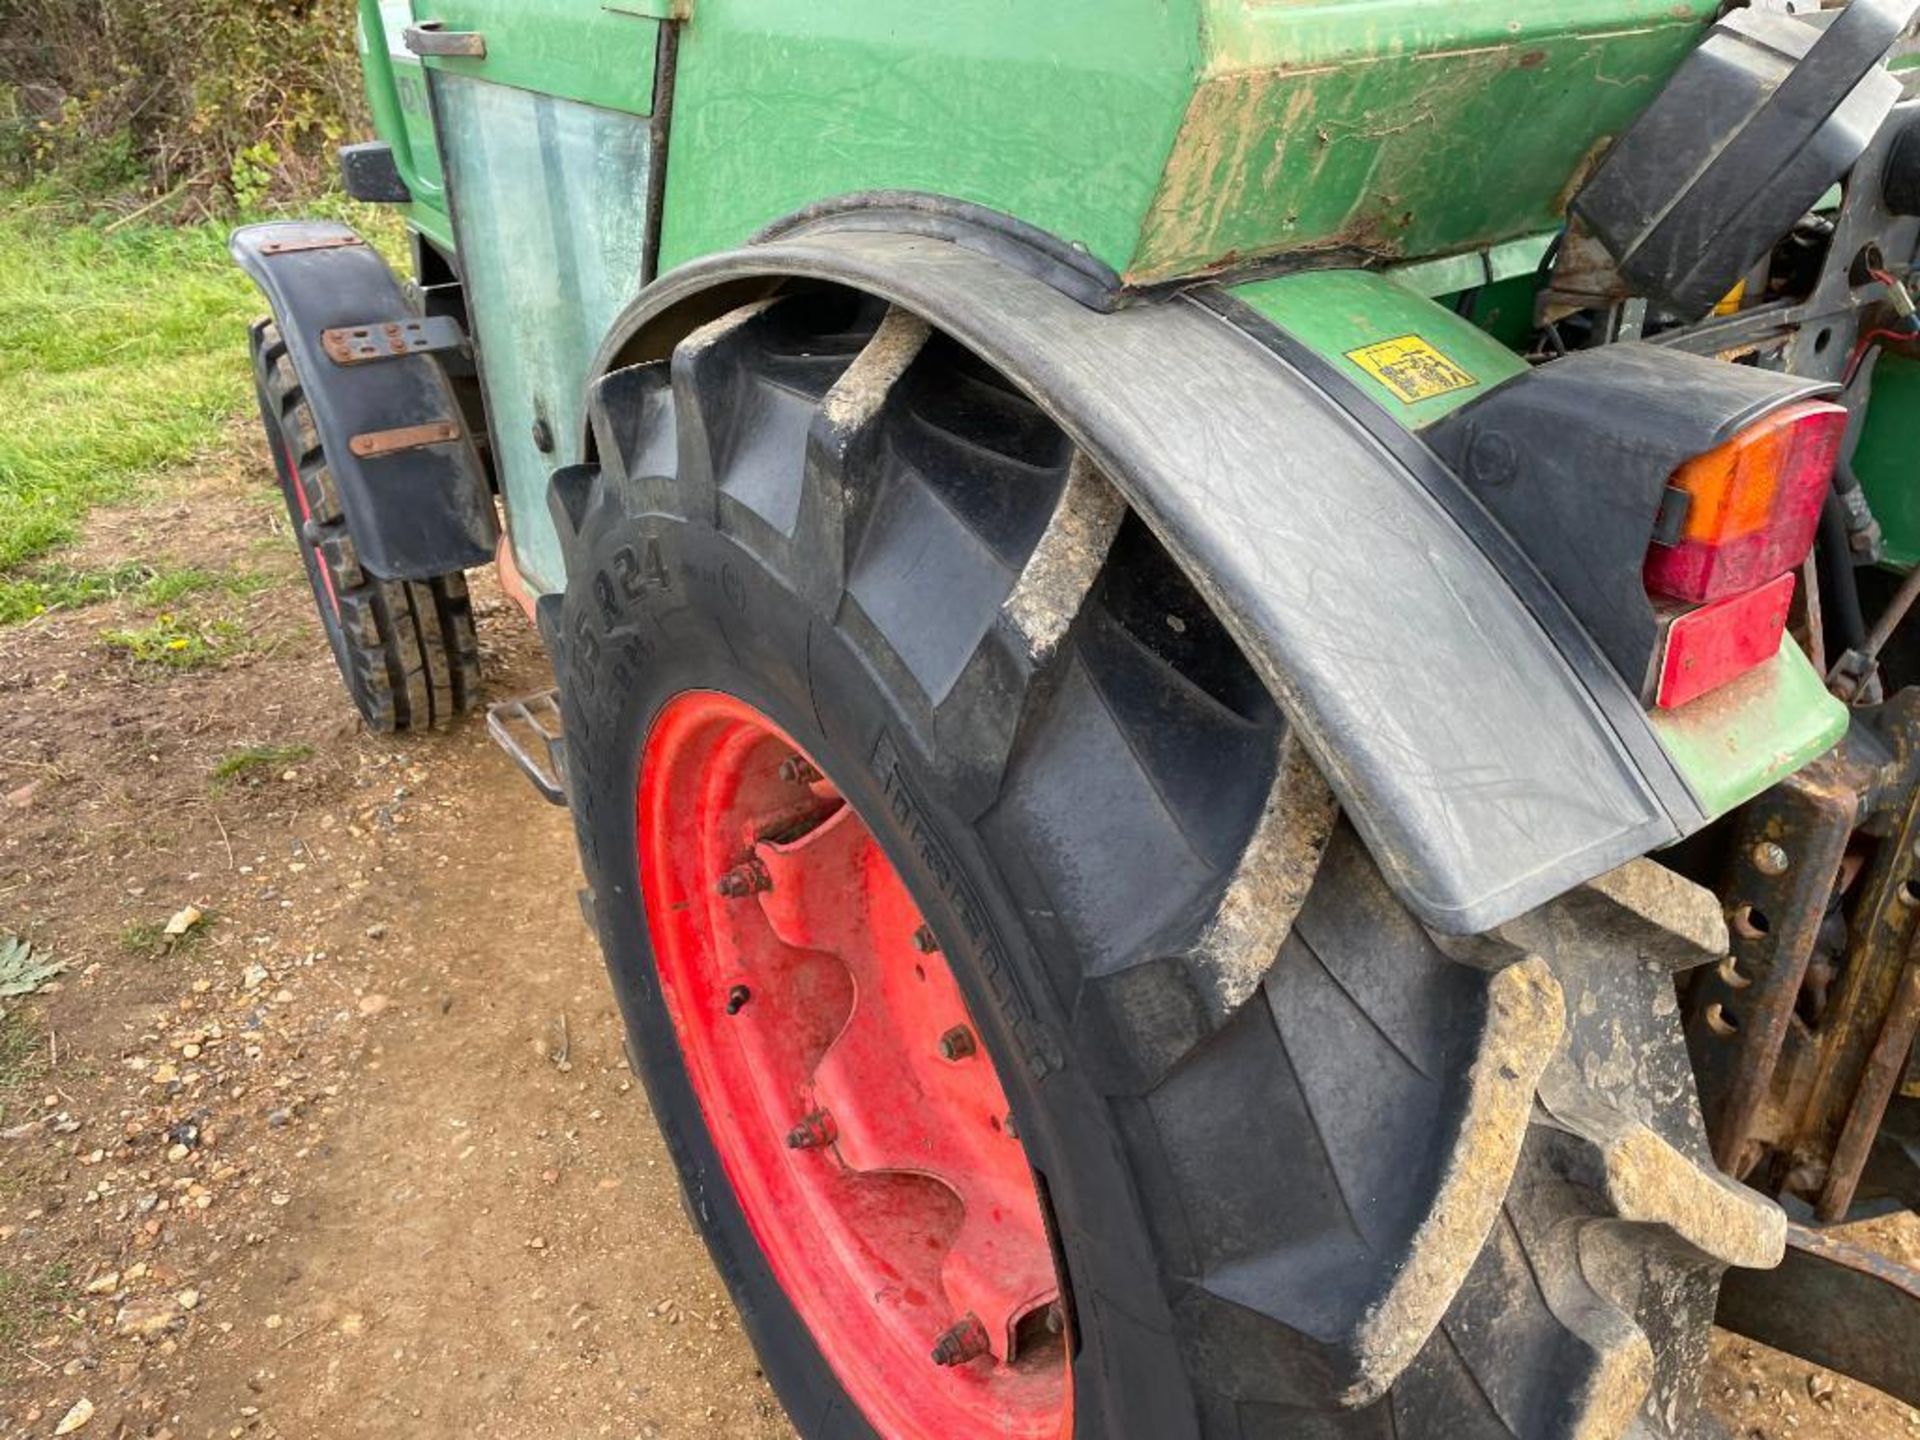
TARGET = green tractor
x,y
1231,672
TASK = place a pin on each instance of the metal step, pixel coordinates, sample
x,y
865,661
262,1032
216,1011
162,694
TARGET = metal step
x,y
529,729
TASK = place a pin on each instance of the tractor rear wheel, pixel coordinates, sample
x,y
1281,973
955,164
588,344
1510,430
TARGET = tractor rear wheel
x,y
406,649
1041,1054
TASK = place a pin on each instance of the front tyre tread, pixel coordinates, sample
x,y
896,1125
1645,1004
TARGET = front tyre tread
x,y
407,650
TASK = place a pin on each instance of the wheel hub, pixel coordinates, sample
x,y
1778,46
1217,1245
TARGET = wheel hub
x,y
860,1120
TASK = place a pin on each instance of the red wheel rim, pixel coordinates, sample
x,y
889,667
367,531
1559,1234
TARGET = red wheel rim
x,y
860,1121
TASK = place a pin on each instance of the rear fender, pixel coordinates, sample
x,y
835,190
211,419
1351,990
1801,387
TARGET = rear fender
x,y
1482,745
416,511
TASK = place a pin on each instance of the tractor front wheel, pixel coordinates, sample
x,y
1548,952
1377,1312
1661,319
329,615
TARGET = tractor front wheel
x,y
406,649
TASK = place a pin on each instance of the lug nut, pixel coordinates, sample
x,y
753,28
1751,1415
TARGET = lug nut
x,y
967,1340
798,770
747,878
957,1043
1770,859
814,1132
923,940
737,999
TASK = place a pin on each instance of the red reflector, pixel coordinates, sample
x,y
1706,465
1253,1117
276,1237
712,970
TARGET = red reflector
x,y
1707,647
1752,505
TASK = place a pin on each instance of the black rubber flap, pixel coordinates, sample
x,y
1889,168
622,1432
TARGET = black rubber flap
x,y
1753,128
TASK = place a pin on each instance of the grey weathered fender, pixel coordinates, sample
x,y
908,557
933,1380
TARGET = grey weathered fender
x,y
1488,760
414,513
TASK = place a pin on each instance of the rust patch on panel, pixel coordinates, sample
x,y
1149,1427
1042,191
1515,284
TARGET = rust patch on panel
x,y
1326,164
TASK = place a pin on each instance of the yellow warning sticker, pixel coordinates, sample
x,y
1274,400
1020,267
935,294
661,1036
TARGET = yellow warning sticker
x,y
1412,369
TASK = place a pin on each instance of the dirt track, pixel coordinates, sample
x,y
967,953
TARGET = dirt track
x,y
358,1155
434,1202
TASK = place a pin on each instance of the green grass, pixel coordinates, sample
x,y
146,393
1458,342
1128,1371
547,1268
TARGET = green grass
x,y
150,938
29,1297
168,587
63,588
258,761
19,1054
144,937
177,642
22,1059
44,587
121,353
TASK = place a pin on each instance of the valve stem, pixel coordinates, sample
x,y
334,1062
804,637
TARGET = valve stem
x,y
747,878
967,1340
815,1131
798,770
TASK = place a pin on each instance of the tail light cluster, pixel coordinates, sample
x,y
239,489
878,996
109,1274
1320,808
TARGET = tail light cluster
x,y
1735,523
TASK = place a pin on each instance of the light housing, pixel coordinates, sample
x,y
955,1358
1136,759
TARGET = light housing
x,y
1748,509
1705,648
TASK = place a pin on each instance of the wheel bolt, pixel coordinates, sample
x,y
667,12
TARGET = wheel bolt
x,y
798,770
923,940
747,878
967,1340
814,1132
737,999
957,1043
1770,859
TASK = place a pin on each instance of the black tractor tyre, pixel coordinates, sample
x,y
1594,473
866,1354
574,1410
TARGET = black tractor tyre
x,y
406,649
1310,1175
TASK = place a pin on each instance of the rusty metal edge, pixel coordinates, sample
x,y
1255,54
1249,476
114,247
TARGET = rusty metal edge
x,y
309,242
1836,1304
375,443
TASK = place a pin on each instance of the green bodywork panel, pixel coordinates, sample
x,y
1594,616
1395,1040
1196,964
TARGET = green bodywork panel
x,y
1888,460
597,54
1734,743
546,270
402,115
1504,309
548,154
1169,137
1433,142
1343,314
1399,127
565,48
1061,113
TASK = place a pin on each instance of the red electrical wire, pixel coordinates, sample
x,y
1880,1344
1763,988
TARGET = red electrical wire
x,y
1867,342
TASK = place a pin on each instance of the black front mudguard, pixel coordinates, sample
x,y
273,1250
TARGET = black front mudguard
x,y
417,511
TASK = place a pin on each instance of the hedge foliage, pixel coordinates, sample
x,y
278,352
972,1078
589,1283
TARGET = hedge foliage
x,y
216,100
